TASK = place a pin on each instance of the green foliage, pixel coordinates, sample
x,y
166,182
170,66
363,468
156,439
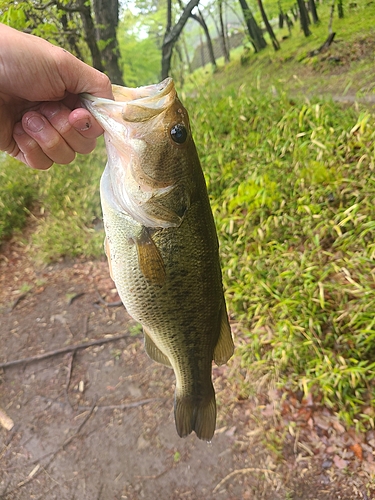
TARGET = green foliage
x,y
69,196
16,195
292,187
64,200
139,40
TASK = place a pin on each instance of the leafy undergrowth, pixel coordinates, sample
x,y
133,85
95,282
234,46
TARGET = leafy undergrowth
x,y
292,187
16,196
63,202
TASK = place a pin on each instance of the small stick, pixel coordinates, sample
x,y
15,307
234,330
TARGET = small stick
x,y
108,304
134,404
241,471
17,301
69,375
76,296
6,421
63,350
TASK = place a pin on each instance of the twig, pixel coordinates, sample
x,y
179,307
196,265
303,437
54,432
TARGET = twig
x,y
69,375
241,471
85,325
135,404
63,350
108,304
76,296
17,301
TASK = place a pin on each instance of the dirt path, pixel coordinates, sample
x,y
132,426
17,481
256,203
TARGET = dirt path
x,y
98,424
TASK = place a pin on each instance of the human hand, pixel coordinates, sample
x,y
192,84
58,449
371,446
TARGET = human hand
x,y
41,121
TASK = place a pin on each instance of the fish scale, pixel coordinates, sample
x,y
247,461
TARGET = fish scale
x,y
161,242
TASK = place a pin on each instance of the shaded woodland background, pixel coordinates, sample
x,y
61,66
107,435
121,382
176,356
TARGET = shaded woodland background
x,y
141,41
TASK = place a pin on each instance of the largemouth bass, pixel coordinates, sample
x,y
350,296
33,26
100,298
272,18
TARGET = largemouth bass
x,y
161,242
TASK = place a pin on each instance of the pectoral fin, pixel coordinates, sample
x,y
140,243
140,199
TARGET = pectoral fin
x,y
224,348
149,258
154,352
108,254
165,217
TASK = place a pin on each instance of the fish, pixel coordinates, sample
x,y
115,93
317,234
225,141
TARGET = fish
x,y
161,242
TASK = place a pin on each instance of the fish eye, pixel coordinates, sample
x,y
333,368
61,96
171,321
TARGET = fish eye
x,y
179,133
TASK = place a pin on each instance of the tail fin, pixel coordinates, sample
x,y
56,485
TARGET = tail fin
x,y
195,414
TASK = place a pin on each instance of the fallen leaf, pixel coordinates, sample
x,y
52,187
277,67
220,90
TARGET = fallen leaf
x,y
321,422
338,427
368,467
269,410
340,462
357,450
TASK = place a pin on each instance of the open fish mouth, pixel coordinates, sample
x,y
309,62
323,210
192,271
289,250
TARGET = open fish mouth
x,y
134,104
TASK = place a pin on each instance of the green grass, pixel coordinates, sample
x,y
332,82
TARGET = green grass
x,y
16,196
292,187
64,202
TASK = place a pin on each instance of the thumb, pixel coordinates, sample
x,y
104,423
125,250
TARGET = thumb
x,y
79,77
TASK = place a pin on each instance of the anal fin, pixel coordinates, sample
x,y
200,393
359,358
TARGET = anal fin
x,y
153,351
224,348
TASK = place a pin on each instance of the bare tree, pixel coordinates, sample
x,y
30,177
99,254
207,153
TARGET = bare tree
x,y
304,17
97,30
223,34
106,17
172,34
314,13
340,9
269,29
255,33
200,19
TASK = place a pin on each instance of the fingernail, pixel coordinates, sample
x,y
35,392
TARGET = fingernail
x,y
34,123
82,125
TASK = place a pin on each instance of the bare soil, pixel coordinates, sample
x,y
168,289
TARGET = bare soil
x,y
97,423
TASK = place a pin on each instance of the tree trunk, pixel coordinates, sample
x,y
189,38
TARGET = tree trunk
x,y
289,22
255,33
294,11
186,54
269,29
340,9
304,16
223,37
313,11
331,17
200,19
171,37
90,35
71,38
281,15
106,16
